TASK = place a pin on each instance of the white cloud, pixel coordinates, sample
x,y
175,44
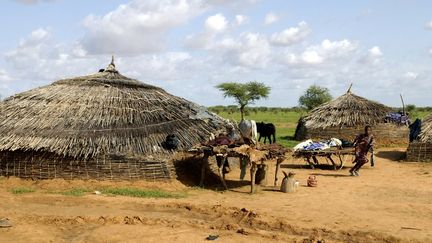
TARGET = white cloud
x,y
199,41
5,80
137,27
375,52
241,19
428,25
430,52
317,54
336,48
291,35
373,56
216,23
38,57
411,75
312,57
255,50
4,76
29,49
270,18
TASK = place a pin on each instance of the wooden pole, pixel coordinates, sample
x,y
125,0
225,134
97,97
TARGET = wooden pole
x,y
403,105
332,161
221,173
204,164
349,89
253,173
278,164
310,162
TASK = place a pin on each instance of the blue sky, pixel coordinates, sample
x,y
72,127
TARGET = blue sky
x,y
187,47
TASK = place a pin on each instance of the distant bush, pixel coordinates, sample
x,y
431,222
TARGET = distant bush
x,y
275,110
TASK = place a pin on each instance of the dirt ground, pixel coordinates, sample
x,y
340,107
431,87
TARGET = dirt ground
x,y
391,202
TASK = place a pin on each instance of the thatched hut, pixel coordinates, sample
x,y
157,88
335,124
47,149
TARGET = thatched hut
x,y
346,116
421,148
100,126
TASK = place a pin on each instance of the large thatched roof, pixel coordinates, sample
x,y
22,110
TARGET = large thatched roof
x,y
346,111
103,113
426,130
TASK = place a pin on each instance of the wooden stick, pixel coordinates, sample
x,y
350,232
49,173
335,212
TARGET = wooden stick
x,y
221,174
410,228
245,216
310,163
332,161
403,104
204,164
278,164
253,173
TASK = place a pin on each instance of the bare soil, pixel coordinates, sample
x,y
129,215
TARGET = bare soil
x,y
391,202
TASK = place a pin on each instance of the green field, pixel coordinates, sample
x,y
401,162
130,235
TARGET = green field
x,y
284,120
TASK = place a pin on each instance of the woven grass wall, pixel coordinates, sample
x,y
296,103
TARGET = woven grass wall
x,y
51,166
419,152
385,134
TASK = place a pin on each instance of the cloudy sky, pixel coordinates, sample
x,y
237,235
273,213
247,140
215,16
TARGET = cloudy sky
x,y
188,46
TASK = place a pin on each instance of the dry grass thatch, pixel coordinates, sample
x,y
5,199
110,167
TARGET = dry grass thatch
x,y
347,110
426,130
101,114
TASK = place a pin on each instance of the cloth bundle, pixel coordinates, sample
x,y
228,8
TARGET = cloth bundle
x,y
310,145
398,118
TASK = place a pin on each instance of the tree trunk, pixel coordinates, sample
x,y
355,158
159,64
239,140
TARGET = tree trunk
x,y
242,112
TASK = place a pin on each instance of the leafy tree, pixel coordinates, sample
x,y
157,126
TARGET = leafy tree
x,y
244,94
314,96
410,108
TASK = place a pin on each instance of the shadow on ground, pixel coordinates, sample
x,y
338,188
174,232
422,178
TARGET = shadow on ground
x,y
304,166
188,171
391,155
331,175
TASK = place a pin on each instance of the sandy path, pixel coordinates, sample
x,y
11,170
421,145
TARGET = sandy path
x,y
378,206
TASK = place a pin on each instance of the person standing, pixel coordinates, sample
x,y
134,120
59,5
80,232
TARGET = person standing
x,y
363,143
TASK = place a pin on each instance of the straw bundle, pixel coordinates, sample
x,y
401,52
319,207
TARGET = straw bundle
x,y
421,149
426,130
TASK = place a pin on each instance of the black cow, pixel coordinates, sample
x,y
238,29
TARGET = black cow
x,y
266,130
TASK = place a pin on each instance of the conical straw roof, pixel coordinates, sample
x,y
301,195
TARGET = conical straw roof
x,y
98,114
426,130
347,110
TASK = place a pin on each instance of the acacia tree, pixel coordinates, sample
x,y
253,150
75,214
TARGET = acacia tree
x,y
315,96
244,94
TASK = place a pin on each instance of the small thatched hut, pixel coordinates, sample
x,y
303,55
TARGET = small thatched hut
x,y
100,126
346,116
421,148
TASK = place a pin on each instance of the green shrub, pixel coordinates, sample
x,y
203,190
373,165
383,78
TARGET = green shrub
x,y
22,190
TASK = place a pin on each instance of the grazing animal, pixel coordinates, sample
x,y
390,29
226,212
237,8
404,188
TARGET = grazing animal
x,y
248,130
266,130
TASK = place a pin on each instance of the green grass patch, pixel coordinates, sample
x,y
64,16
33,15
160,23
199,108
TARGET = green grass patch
x,y
133,192
22,190
76,192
